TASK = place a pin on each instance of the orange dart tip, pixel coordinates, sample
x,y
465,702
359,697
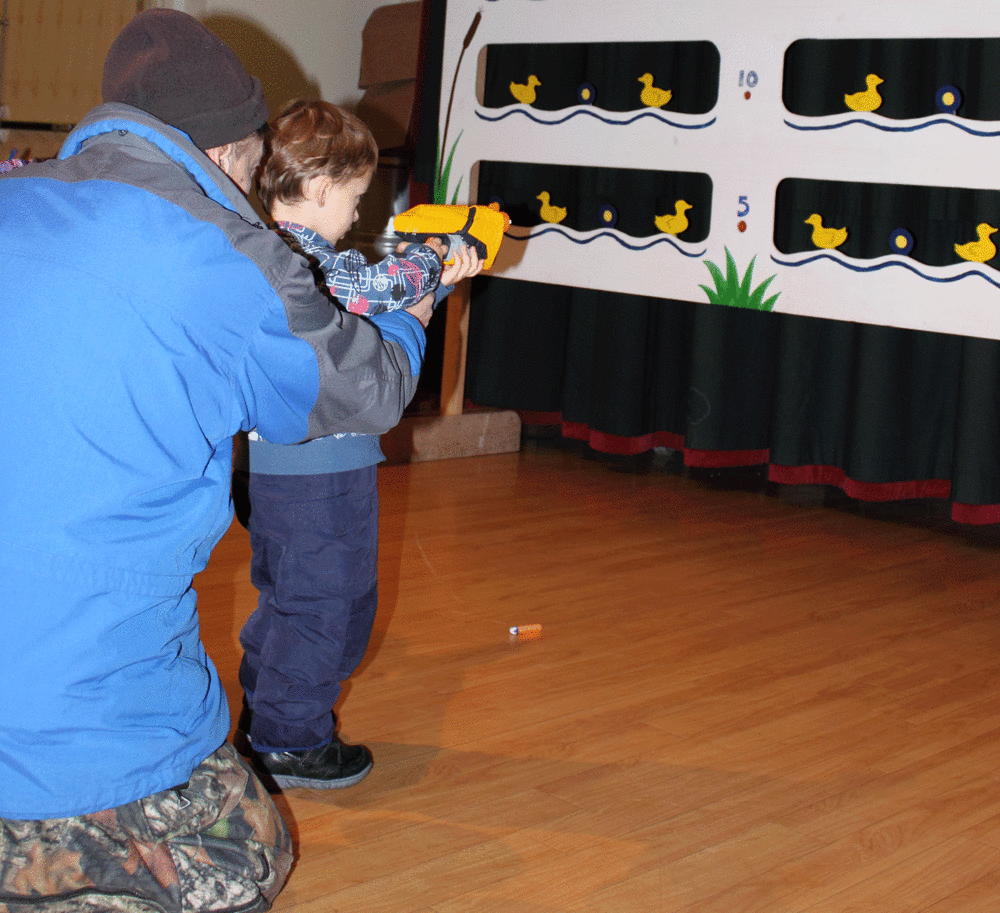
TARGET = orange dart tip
x,y
526,629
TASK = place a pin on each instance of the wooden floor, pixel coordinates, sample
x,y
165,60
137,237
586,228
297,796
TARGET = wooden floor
x,y
736,704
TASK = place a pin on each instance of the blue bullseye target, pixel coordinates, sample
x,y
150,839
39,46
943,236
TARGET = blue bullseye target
x,y
900,242
948,99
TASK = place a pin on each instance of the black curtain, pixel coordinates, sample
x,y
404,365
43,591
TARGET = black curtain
x,y
884,413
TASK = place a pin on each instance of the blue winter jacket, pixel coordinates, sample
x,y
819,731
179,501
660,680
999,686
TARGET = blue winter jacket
x,y
146,316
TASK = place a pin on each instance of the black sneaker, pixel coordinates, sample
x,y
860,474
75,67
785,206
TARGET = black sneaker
x,y
241,735
331,766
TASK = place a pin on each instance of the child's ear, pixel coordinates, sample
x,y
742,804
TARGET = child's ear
x,y
317,189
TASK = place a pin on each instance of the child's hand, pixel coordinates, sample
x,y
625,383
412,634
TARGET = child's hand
x,y
465,265
435,244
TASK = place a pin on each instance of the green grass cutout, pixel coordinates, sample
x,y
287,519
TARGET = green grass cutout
x,y
732,291
441,184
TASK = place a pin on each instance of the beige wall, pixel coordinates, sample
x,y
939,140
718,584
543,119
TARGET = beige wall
x,y
296,47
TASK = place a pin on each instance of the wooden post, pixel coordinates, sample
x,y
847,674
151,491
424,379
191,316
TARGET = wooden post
x,y
454,432
456,340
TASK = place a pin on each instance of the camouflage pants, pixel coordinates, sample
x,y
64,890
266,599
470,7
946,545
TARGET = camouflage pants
x,y
215,843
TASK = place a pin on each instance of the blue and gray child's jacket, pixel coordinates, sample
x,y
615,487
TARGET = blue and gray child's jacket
x,y
146,316
376,290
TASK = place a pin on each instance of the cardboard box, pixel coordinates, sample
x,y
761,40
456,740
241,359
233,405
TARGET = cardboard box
x,y
390,44
387,111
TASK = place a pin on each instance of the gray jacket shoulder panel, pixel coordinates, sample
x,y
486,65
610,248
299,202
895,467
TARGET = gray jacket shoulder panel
x,y
365,381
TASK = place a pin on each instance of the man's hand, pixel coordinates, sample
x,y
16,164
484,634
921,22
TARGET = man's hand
x,y
465,265
423,309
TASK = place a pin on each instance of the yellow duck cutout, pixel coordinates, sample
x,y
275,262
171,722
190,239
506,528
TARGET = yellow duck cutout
x,y
825,237
868,100
675,224
651,96
551,213
525,92
979,251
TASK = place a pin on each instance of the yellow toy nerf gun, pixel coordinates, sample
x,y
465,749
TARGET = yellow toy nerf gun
x,y
480,227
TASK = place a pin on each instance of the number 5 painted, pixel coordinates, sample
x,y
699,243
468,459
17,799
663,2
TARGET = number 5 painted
x,y
744,208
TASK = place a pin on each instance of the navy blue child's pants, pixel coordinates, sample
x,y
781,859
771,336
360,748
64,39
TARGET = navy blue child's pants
x,y
315,554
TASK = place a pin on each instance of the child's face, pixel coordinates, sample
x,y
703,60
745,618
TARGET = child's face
x,y
336,206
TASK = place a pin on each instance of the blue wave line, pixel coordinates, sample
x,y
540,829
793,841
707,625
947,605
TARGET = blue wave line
x,y
877,266
590,111
889,129
605,234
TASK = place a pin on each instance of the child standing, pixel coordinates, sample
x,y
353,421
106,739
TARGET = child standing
x,y
314,506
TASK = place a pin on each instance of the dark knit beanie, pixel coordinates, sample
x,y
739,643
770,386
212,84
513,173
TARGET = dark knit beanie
x,y
168,64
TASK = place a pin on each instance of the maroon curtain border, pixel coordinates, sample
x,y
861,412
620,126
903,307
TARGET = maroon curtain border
x,y
940,489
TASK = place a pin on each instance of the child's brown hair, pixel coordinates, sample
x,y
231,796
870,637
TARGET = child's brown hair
x,y
313,139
